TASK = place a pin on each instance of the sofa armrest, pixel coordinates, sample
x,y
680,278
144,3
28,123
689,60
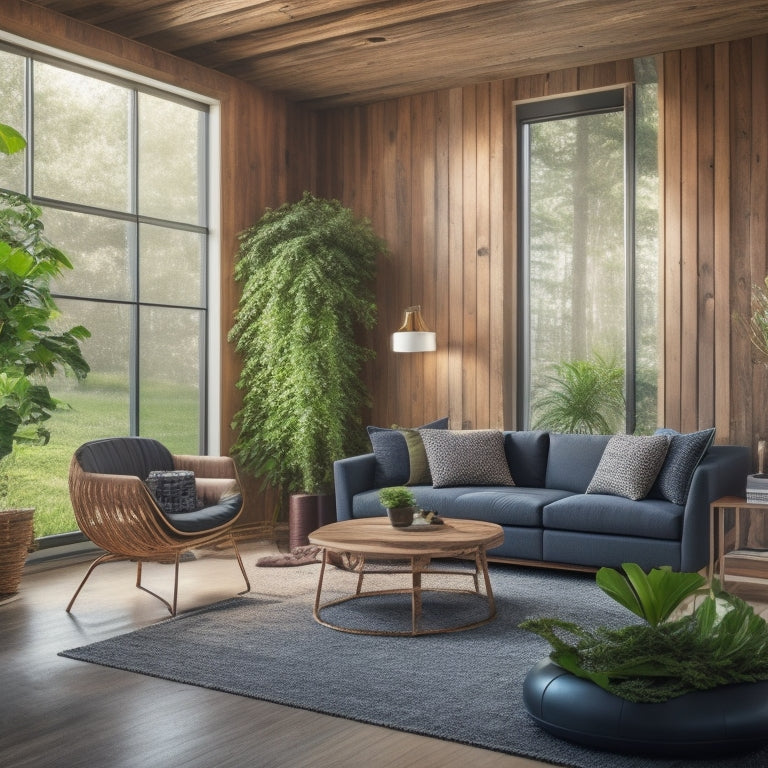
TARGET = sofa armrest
x,y
722,472
350,476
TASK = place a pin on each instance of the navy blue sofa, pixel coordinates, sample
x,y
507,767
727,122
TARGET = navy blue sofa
x,y
549,519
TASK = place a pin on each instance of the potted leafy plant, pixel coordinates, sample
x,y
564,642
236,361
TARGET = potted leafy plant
x,y
582,396
30,349
720,641
307,271
400,504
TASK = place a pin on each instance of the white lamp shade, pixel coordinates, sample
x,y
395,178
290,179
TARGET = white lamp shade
x,y
414,341
414,334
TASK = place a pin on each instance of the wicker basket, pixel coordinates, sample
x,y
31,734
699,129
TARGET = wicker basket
x,y
17,539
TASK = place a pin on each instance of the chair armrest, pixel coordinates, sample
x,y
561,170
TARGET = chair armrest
x,y
215,476
207,466
350,476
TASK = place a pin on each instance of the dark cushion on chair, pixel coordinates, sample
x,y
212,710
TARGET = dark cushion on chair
x,y
124,456
207,518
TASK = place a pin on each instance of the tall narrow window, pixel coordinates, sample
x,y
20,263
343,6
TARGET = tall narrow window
x,y
120,173
579,284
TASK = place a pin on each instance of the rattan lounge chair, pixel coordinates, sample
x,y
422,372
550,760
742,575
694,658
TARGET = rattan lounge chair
x,y
116,510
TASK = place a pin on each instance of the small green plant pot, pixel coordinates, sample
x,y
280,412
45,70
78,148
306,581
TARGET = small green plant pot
x,y
401,517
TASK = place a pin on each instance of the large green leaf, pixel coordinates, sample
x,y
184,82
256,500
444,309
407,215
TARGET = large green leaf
x,y
652,596
11,140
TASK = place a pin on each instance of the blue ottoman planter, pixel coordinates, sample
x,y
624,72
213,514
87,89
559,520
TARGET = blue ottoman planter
x,y
691,686
723,720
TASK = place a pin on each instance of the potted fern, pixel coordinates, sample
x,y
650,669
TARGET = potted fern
x,y
30,350
307,271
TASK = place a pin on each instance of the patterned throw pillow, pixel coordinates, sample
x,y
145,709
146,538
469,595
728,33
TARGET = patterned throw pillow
x,y
466,457
684,455
174,491
398,452
629,466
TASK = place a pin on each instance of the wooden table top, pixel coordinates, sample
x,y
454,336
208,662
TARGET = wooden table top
x,y
375,536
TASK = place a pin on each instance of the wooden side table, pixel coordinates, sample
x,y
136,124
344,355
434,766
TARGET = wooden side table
x,y
717,550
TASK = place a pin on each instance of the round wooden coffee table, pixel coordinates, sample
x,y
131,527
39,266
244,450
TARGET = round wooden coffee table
x,y
367,539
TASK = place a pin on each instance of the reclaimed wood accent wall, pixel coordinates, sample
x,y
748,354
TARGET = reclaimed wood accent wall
x,y
435,174
715,201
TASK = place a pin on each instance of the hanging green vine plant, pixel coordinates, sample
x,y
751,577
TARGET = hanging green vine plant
x,y
307,272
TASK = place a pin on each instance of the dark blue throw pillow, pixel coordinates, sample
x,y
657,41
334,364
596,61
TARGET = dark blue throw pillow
x,y
393,458
684,454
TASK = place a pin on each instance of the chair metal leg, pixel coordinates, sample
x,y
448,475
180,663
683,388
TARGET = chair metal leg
x,y
105,558
240,563
170,606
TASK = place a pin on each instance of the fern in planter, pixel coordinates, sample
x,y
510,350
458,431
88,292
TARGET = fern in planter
x,y
307,271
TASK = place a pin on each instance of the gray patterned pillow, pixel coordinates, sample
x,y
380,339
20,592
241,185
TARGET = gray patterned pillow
x,y
684,454
466,457
629,466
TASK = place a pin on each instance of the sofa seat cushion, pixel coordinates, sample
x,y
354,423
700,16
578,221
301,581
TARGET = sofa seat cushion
x,y
506,506
616,515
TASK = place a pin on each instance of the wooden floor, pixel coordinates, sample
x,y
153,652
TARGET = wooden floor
x,y
64,713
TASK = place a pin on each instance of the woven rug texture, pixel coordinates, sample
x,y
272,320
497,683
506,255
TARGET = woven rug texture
x,y
462,686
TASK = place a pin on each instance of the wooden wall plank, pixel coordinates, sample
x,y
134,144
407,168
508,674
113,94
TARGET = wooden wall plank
x,y
758,206
498,222
469,259
704,294
741,273
722,234
482,254
455,302
689,243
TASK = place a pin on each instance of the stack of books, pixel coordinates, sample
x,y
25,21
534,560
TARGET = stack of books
x,y
747,563
757,488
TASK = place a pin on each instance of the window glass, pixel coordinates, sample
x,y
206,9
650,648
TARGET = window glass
x,y
170,266
170,141
120,176
100,251
169,403
82,139
37,476
647,243
589,234
576,253
12,100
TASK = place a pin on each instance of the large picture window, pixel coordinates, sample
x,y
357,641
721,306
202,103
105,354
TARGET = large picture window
x,y
589,264
119,170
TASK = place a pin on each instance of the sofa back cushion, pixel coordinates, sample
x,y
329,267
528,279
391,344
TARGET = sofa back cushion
x,y
573,460
527,453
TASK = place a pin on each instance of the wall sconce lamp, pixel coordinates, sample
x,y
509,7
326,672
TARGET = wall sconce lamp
x,y
414,335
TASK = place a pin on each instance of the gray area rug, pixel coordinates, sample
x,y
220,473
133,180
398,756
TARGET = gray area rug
x,y
464,686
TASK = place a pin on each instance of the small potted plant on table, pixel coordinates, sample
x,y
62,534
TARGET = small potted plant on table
x,y
400,504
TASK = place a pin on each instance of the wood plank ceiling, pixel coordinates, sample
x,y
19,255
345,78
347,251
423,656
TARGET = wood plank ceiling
x,y
327,53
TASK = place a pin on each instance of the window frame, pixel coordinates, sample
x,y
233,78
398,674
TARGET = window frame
x,y
621,99
210,299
